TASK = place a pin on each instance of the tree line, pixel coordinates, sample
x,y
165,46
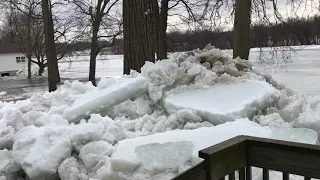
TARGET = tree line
x,y
294,31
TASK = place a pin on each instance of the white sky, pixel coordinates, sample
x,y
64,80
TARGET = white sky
x,y
305,9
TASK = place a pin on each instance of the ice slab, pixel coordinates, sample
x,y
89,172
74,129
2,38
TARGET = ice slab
x,y
301,135
114,94
160,157
125,159
224,102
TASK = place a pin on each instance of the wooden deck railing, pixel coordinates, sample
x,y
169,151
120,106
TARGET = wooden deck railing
x,y
243,152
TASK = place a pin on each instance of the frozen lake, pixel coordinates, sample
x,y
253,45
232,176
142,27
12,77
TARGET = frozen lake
x,y
302,75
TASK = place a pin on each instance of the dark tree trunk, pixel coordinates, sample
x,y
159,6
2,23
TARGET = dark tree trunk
x,y
29,44
139,31
162,39
41,69
56,66
29,66
94,49
242,23
50,45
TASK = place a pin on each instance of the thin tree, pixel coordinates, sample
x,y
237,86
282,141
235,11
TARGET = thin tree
x,y
102,25
139,32
169,5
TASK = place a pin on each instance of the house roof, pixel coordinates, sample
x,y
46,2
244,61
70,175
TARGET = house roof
x,y
9,48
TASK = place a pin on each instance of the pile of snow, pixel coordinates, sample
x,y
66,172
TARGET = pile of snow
x,y
133,127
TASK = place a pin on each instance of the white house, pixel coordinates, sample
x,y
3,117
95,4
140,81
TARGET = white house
x,y
11,59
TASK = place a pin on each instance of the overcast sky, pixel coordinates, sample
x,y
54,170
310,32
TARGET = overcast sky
x,y
285,7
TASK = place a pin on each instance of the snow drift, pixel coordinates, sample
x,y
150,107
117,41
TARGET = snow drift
x,y
121,129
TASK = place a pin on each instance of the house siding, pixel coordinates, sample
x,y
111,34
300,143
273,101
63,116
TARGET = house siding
x,y
8,62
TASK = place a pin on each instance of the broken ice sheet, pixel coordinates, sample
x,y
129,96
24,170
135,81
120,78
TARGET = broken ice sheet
x,y
160,157
300,135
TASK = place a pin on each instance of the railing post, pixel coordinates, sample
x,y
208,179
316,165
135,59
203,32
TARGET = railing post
x,y
224,158
242,173
265,174
248,173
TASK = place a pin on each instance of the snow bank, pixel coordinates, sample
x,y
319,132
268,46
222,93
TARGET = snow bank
x,y
98,100
223,102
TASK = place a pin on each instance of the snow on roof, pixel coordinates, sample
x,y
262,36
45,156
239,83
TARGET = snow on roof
x,y
9,48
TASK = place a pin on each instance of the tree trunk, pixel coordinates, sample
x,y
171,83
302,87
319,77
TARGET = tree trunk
x,y
242,23
94,50
162,39
29,44
29,66
57,71
139,32
41,69
50,45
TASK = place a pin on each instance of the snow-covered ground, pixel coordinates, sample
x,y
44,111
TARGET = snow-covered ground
x,y
134,126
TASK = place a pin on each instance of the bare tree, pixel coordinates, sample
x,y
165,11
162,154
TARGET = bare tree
x,y
139,32
102,24
23,21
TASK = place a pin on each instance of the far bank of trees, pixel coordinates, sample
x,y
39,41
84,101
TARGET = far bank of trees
x,y
293,32
298,31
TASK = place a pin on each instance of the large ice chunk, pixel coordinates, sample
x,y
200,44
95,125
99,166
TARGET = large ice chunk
x,y
160,157
310,116
6,137
224,102
41,150
94,152
98,100
300,135
70,169
82,134
7,164
125,159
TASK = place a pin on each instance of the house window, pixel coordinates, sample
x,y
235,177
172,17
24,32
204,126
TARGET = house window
x,y
21,59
